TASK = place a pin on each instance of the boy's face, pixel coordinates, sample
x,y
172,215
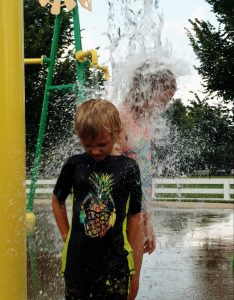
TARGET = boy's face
x,y
100,147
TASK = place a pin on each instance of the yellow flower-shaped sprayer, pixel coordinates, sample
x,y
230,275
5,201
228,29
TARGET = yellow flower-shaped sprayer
x,y
69,4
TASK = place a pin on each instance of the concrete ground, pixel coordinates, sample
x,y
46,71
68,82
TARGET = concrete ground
x,y
193,259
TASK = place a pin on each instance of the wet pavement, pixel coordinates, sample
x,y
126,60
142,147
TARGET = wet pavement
x,y
193,260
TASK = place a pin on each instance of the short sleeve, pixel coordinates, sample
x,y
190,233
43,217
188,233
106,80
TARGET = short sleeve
x,y
135,205
63,185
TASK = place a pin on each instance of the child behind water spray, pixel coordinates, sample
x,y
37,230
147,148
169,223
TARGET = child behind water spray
x,y
153,86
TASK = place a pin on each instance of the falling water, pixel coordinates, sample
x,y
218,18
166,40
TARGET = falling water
x,y
133,37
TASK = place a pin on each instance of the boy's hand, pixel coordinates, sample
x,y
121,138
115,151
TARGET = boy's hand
x,y
150,240
150,245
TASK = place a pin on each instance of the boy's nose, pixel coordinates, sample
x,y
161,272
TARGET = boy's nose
x,y
95,151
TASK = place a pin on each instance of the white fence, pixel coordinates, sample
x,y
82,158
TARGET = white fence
x,y
184,189
192,189
44,188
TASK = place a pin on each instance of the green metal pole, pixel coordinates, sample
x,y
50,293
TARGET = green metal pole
x,y
80,74
44,112
80,67
62,87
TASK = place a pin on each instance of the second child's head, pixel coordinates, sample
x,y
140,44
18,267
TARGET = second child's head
x,y
98,127
152,87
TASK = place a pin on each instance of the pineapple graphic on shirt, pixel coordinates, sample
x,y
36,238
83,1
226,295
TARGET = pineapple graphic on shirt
x,y
98,209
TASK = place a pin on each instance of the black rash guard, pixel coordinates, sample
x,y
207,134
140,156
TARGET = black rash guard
x,y
89,260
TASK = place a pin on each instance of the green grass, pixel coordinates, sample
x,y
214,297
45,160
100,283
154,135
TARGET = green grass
x,y
192,196
192,200
206,176
210,186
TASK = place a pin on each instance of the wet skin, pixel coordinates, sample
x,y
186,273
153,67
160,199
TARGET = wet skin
x,y
100,147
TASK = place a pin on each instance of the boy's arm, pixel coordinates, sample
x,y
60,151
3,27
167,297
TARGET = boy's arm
x,y
135,226
135,234
150,240
60,214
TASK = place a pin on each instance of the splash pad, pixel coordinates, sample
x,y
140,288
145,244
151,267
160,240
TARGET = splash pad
x,y
13,222
84,60
44,274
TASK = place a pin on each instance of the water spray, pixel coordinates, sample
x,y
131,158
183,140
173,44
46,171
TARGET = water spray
x,y
83,59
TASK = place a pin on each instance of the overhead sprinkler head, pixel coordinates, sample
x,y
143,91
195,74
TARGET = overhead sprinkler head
x,y
68,4
57,4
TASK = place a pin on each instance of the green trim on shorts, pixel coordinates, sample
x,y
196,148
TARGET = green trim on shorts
x,y
127,246
64,253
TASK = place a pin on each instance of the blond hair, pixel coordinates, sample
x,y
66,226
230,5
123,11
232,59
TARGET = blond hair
x,y
95,117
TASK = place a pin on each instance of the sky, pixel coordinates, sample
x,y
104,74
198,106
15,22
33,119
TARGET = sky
x,y
176,15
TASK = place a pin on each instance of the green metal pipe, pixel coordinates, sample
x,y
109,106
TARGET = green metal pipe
x,y
62,87
46,60
80,67
80,74
44,112
76,27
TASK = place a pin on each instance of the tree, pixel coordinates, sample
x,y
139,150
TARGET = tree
x,y
199,136
38,31
171,148
214,48
211,127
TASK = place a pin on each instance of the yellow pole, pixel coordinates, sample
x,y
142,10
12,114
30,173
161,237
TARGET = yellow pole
x,y
33,61
12,153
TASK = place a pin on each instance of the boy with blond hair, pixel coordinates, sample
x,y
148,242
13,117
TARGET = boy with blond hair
x,y
97,259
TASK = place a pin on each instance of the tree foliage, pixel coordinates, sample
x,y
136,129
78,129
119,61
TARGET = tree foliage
x,y
200,136
38,35
214,48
